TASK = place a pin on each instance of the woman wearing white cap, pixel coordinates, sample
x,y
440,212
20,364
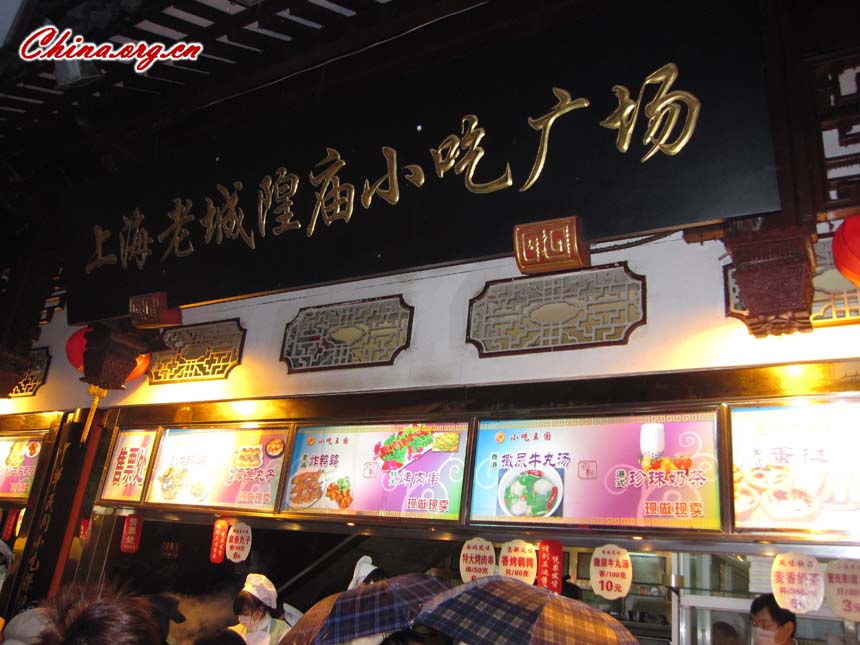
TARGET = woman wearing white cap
x,y
254,606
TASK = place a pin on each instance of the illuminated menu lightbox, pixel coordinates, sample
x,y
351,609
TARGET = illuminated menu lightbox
x,y
637,471
410,470
794,466
126,473
213,467
18,459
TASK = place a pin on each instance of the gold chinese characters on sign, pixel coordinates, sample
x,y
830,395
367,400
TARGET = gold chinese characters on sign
x,y
670,119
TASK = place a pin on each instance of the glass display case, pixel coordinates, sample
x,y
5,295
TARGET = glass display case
x,y
716,601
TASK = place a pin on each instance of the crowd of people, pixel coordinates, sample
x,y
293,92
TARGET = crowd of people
x,y
107,615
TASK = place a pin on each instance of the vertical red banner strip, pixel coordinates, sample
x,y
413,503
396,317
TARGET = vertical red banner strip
x,y
131,532
84,532
219,541
550,562
9,524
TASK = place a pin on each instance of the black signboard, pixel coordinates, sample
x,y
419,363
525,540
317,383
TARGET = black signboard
x,y
189,222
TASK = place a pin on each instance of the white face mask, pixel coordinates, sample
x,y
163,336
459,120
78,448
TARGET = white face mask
x,y
762,636
257,630
255,625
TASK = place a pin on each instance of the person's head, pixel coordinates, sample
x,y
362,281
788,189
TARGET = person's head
x,y
571,590
365,572
374,576
221,637
403,637
255,602
98,616
771,623
164,609
724,634
418,635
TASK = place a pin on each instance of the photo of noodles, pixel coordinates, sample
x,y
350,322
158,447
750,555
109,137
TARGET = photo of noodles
x,y
306,488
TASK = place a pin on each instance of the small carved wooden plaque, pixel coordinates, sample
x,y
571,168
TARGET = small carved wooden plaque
x,y
551,245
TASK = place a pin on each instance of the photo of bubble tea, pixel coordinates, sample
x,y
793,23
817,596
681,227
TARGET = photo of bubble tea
x,y
652,445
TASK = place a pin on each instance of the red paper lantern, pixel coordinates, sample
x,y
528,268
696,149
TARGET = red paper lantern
x,y
77,345
846,249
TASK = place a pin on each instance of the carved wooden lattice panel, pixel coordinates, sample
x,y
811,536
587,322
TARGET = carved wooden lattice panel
x,y
35,377
835,300
597,306
837,98
198,352
348,334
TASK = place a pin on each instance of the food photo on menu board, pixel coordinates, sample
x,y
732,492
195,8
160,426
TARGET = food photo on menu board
x,y
649,471
18,459
390,470
794,466
224,468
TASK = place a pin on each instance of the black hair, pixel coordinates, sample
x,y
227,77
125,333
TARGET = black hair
x,y
403,637
780,616
375,576
248,602
221,637
419,635
164,609
724,634
571,590
98,615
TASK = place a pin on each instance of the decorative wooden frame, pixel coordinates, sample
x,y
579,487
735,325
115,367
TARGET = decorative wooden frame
x,y
289,334
634,277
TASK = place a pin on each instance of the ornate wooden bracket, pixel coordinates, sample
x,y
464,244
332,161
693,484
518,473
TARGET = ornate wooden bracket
x,y
773,270
12,369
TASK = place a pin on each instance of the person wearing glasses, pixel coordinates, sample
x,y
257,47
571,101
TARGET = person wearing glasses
x,y
772,625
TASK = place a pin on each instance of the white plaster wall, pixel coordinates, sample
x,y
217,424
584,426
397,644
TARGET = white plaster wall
x,y
686,329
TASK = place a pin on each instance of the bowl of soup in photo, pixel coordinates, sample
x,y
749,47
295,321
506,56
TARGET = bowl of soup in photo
x,y
532,492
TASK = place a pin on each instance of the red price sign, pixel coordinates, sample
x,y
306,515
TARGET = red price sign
x,y
550,560
611,571
9,524
842,588
131,532
238,542
219,541
797,581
